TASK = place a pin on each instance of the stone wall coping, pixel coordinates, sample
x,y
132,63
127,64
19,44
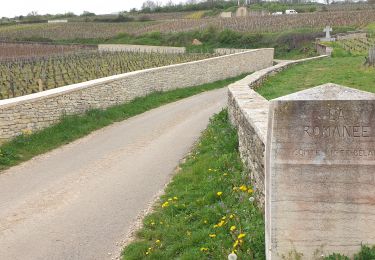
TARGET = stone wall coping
x,y
252,105
141,48
83,85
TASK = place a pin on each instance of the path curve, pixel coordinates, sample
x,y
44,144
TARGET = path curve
x,y
79,201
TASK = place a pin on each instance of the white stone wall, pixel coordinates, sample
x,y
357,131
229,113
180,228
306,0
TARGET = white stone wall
x,y
226,15
140,48
248,112
37,111
224,51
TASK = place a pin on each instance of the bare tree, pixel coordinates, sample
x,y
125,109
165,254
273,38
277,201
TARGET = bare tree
x,y
149,5
169,3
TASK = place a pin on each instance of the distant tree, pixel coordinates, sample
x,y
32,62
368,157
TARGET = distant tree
x,y
87,14
170,3
149,5
33,14
69,14
33,17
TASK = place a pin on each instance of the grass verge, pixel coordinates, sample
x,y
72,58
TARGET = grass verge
x,y
71,128
347,71
207,210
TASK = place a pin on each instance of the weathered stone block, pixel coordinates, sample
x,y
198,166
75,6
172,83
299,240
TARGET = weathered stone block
x,y
320,172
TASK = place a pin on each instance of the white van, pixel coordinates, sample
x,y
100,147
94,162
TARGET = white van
x,y
291,11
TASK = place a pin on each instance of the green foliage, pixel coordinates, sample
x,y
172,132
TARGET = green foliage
x,y
71,128
337,257
193,219
366,253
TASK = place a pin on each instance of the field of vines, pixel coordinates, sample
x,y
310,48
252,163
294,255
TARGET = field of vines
x,y
253,24
269,23
71,31
10,51
26,76
357,46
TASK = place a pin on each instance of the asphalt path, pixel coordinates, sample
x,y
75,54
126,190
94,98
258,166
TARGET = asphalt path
x,y
79,201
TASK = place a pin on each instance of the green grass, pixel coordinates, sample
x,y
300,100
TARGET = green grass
x,y
347,71
366,253
71,128
181,228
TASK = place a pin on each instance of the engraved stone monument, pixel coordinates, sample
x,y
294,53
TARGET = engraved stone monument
x,y
320,173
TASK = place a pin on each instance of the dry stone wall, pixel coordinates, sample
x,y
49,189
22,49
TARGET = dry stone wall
x,y
224,51
322,49
140,48
248,112
37,111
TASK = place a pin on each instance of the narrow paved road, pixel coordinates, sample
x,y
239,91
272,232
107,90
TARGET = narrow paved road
x,y
79,201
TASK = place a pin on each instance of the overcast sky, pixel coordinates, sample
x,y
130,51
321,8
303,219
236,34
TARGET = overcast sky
x,y
11,8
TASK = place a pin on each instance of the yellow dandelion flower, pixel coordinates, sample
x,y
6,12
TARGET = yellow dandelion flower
x,y
242,235
219,193
216,226
224,218
169,199
165,204
221,223
175,198
235,244
212,235
158,241
235,189
204,249
225,174
231,216
205,221
232,228
147,253
243,188
152,223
